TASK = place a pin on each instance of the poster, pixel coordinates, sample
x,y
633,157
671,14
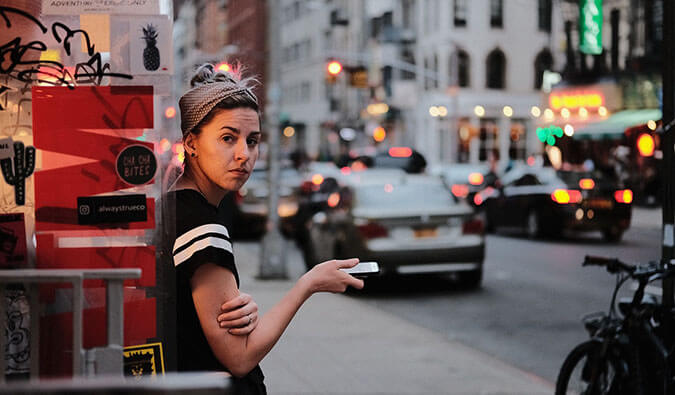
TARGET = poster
x,y
150,45
120,7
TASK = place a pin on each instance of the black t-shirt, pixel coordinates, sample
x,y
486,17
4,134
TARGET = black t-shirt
x,y
201,237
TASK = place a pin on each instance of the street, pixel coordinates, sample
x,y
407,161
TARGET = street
x,y
527,313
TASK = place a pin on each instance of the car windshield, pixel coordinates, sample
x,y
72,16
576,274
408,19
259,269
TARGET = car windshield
x,y
403,195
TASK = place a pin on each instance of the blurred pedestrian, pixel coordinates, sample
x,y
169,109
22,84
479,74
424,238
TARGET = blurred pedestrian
x,y
221,125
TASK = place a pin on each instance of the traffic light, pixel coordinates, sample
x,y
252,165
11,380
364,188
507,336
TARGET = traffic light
x,y
549,134
334,67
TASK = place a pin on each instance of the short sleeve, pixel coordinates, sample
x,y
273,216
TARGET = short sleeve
x,y
208,243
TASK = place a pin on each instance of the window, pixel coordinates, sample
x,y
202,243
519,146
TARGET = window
x,y
496,70
545,15
496,13
460,12
488,138
408,57
543,62
463,69
517,140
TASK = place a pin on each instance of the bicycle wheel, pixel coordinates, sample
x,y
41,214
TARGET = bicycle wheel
x,y
588,371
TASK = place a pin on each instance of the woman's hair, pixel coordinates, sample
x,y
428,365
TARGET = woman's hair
x,y
214,90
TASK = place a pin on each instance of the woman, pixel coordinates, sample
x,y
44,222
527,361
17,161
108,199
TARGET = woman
x,y
220,121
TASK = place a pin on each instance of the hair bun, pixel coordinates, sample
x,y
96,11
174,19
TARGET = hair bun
x,y
207,74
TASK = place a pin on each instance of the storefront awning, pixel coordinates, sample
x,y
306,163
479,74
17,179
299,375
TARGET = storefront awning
x,y
614,126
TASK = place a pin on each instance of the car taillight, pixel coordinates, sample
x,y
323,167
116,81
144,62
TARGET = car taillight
x,y
623,196
586,183
373,230
565,196
460,190
475,178
473,227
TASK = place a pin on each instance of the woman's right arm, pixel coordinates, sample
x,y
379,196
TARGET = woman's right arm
x,y
211,284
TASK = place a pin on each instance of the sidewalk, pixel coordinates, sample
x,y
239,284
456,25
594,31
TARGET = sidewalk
x,y
644,217
338,345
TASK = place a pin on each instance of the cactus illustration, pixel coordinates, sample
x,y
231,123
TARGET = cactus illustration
x,y
24,164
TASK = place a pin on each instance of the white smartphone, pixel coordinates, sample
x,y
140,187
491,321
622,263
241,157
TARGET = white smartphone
x,y
363,269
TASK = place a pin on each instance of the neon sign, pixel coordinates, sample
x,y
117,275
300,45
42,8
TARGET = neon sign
x,y
575,100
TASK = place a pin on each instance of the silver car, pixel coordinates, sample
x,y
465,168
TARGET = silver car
x,y
409,224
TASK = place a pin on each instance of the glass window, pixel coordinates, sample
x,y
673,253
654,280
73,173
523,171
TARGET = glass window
x,y
488,138
463,69
545,15
496,70
543,62
496,13
397,195
460,12
517,140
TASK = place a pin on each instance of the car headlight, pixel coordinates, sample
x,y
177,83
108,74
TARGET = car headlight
x,y
287,209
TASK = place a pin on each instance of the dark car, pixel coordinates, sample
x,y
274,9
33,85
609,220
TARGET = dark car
x,y
404,158
249,204
543,201
408,223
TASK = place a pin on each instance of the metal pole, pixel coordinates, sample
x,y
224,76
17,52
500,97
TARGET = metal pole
x,y
273,251
667,143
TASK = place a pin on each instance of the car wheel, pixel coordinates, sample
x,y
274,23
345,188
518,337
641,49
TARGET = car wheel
x,y
532,227
612,234
471,279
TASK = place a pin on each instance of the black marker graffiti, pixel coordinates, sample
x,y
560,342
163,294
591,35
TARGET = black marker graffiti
x,y
13,60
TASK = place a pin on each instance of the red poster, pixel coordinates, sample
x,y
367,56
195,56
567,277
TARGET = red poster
x,y
79,134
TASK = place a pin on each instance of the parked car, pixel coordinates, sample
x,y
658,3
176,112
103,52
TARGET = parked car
x,y
543,201
404,158
409,224
249,204
465,179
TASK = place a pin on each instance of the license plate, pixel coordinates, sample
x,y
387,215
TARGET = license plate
x,y
599,203
426,232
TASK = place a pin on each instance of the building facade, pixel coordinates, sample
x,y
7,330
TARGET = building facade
x,y
460,55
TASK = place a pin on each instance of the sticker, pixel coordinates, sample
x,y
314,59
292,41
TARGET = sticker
x,y
12,241
97,27
136,165
150,45
94,210
78,7
6,148
143,360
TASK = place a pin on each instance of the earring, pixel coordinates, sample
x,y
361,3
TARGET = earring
x,y
193,154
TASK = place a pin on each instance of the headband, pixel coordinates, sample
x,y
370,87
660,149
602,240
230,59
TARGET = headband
x,y
196,103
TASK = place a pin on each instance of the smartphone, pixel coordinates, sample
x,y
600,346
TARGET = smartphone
x,y
363,269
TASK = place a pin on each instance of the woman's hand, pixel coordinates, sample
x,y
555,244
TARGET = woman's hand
x,y
326,277
239,315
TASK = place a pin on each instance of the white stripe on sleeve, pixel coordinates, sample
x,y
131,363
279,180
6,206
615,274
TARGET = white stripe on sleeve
x,y
198,231
216,242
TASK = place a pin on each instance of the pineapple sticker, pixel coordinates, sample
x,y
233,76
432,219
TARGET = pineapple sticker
x,y
150,52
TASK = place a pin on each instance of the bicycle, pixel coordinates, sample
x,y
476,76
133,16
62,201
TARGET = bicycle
x,y
628,353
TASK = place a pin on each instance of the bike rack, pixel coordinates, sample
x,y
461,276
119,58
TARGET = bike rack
x,y
103,360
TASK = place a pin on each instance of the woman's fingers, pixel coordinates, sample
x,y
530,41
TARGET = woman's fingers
x,y
347,263
247,327
237,302
238,314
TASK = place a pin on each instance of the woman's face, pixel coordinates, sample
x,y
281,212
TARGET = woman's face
x,y
227,147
